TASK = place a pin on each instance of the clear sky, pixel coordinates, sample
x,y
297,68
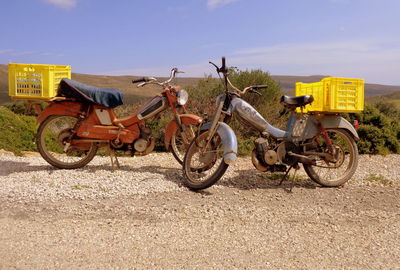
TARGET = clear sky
x,y
349,38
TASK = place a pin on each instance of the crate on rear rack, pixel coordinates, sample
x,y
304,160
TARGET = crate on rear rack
x,y
334,95
34,81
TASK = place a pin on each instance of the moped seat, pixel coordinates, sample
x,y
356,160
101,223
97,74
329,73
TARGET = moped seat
x,y
106,97
299,101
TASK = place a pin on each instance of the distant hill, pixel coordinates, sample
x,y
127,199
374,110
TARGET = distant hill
x,y
132,94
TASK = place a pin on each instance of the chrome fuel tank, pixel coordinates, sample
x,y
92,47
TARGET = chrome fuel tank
x,y
153,107
248,115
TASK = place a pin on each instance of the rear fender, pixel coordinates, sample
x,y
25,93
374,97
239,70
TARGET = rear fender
x,y
186,119
339,122
328,122
60,108
229,141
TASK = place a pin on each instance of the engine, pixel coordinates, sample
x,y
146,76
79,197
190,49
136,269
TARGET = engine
x,y
264,156
145,143
141,146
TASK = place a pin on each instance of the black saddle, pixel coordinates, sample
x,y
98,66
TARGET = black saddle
x,y
106,97
293,102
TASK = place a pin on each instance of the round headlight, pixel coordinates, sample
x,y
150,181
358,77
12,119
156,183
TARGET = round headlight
x,y
182,97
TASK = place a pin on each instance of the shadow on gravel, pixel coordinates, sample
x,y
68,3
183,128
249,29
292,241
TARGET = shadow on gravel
x,y
243,179
9,167
251,179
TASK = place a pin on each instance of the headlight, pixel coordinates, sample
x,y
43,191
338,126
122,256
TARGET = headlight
x,y
182,97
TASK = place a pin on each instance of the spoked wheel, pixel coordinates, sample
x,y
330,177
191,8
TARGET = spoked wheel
x,y
338,163
204,164
180,142
52,142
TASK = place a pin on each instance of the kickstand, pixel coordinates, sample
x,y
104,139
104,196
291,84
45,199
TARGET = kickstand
x,y
113,158
286,176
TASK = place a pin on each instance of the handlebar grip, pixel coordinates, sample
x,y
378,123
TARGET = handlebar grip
x,y
223,68
140,80
263,86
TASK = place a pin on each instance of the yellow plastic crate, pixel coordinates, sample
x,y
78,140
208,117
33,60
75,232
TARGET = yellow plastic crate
x,y
33,81
333,95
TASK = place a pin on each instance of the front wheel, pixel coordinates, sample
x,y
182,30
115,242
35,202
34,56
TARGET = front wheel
x,y
53,144
180,141
204,164
337,162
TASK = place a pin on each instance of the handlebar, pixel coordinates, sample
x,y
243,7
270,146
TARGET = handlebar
x,y
258,87
221,69
144,79
224,70
151,80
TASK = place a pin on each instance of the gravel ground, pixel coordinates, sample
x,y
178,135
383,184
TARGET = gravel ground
x,y
140,217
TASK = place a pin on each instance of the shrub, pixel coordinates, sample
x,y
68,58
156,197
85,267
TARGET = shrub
x,y
204,93
387,108
19,107
17,132
379,133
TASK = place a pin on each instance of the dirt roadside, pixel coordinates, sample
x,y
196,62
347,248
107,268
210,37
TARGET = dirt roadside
x,y
311,228
141,218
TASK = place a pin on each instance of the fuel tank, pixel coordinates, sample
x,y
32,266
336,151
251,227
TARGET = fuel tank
x,y
250,117
153,107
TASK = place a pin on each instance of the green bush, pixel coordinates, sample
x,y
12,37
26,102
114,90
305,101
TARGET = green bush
x,y
379,133
204,93
17,132
19,107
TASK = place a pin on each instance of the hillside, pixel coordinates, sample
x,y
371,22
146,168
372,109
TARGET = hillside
x,y
393,98
134,94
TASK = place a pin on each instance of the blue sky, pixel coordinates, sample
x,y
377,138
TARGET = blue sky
x,y
349,38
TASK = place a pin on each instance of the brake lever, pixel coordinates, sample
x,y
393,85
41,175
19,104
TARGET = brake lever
x,y
252,90
214,65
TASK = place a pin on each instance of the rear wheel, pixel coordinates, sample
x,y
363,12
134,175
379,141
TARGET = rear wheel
x,y
52,142
180,141
340,162
204,164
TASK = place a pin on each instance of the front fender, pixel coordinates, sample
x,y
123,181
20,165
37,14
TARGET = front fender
x,y
229,141
59,108
186,119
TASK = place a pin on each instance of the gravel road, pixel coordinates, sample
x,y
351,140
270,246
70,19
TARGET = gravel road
x,y
140,217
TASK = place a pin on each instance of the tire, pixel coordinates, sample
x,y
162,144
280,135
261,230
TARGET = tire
x,y
179,143
346,161
50,142
210,166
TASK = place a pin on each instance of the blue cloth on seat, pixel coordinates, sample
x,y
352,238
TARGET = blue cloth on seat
x,y
107,97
